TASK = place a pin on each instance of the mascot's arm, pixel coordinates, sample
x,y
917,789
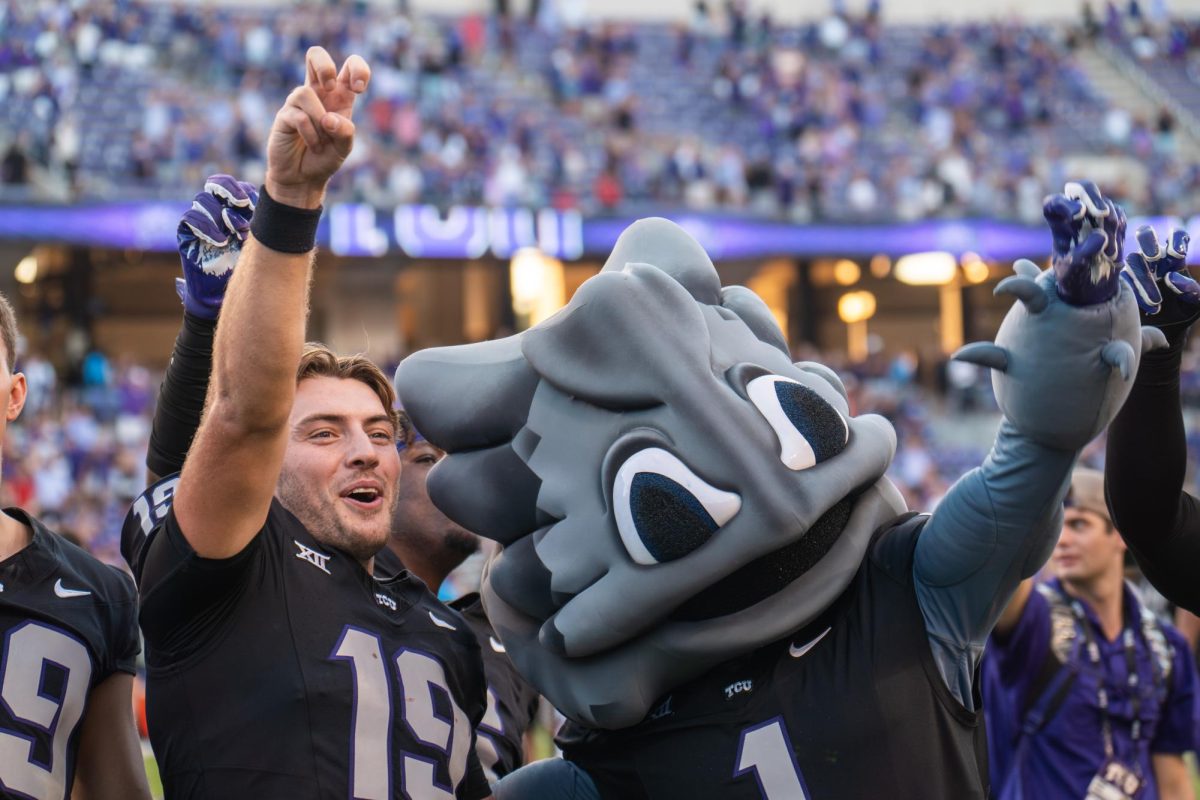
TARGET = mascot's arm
x,y
1147,449
995,528
1062,363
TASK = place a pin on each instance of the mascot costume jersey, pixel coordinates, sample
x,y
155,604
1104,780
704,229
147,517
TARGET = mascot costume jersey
x,y
704,567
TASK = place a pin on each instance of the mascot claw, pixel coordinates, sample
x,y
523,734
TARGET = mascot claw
x,y
1024,289
1119,355
984,354
1026,268
1152,339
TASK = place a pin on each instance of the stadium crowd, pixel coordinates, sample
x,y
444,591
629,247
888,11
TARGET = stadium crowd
x,y
847,119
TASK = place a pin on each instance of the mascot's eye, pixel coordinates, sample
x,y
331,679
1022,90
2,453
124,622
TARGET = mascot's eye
x,y
664,510
809,429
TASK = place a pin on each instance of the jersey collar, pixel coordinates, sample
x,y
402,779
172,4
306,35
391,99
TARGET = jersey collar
x,y
35,561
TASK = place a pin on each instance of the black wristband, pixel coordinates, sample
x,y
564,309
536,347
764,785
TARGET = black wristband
x,y
284,228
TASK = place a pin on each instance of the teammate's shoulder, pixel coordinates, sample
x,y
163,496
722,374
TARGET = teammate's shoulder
x,y
78,571
893,543
445,618
470,605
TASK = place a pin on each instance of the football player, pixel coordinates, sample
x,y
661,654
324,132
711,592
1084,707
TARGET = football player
x,y
70,643
430,545
277,665
1146,460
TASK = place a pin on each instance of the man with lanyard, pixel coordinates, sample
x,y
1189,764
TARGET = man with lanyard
x,y
1086,694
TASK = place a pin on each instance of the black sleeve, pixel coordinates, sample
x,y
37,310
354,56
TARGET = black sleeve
x,y
1145,466
124,639
186,598
181,397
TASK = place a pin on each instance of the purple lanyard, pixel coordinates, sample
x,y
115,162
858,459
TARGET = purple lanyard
x,y
1128,639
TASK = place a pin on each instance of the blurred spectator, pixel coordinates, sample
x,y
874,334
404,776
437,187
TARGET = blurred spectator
x,y
14,170
1085,694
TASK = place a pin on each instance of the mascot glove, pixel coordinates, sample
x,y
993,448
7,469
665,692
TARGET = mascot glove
x,y
1168,297
1088,231
210,236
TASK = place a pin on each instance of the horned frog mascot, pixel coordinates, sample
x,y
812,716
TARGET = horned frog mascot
x,y
704,567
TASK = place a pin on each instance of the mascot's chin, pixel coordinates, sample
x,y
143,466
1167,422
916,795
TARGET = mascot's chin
x,y
671,490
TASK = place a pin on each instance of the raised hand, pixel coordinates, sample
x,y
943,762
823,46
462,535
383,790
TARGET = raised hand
x,y
1167,295
1088,231
313,134
210,236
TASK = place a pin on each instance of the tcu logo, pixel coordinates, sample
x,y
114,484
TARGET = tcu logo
x,y
738,688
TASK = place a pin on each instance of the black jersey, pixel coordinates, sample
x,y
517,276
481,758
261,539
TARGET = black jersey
x,y
287,671
512,702
69,622
852,708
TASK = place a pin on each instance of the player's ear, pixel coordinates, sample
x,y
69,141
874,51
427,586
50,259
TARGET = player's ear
x,y
16,396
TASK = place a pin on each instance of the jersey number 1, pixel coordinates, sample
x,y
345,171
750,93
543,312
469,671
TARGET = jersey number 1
x,y
31,652
420,676
766,751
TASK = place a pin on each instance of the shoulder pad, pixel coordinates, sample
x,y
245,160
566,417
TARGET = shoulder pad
x,y
145,515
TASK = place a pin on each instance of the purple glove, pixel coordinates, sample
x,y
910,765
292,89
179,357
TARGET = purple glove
x,y
210,236
1163,265
1089,239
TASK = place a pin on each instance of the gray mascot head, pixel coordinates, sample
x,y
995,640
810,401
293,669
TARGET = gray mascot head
x,y
670,489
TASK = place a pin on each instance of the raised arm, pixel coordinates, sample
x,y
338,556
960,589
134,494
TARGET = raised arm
x,y
210,237
229,477
1062,361
1147,451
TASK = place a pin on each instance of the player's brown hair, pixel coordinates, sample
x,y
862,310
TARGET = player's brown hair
x,y
318,361
405,433
8,332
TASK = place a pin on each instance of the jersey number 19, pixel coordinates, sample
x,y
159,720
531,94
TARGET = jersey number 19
x,y
420,677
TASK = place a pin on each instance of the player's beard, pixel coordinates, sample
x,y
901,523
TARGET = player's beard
x,y
361,537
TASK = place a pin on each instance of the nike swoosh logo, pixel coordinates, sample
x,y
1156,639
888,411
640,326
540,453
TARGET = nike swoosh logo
x,y
441,623
63,591
496,645
796,652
